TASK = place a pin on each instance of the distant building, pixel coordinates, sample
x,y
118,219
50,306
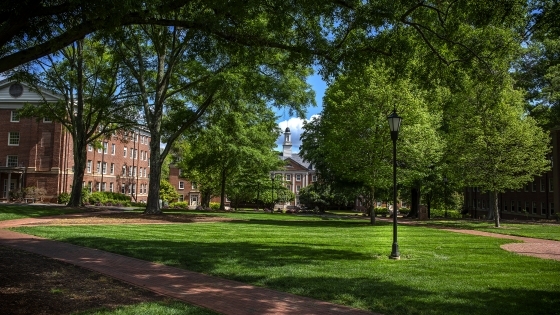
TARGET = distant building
x,y
297,173
39,152
536,199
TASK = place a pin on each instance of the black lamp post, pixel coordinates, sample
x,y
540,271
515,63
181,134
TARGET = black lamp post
x,y
445,195
394,125
272,192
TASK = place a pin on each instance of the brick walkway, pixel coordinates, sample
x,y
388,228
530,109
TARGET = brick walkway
x,y
221,295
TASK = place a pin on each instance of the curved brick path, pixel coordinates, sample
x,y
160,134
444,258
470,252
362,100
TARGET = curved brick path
x,y
535,247
221,295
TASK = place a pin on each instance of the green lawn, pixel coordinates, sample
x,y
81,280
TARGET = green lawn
x,y
536,230
19,211
343,261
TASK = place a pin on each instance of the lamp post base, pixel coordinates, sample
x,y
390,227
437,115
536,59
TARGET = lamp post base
x,y
395,253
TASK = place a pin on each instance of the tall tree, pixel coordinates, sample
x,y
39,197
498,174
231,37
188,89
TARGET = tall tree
x,y
493,144
357,149
94,98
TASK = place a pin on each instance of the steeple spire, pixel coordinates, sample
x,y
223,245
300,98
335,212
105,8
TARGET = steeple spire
x,y
287,152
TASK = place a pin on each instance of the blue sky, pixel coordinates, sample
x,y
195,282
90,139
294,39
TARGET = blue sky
x,y
296,124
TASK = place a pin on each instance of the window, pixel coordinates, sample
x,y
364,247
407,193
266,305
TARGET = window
x,y
313,178
527,209
142,140
134,188
112,168
288,177
14,117
543,185
12,161
124,154
135,171
543,208
519,209
123,189
135,153
512,206
194,185
130,169
111,187
113,149
505,207
550,185
534,207
181,197
180,173
13,138
89,166
104,167
181,185
105,147
89,147
47,120
90,186
131,152
298,177
298,187
98,168
103,186
124,170
526,187
98,186
534,185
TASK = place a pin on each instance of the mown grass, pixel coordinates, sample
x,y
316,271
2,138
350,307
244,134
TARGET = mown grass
x,y
343,261
547,231
174,308
19,211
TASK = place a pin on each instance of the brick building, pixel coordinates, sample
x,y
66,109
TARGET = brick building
x,y
297,173
536,199
39,152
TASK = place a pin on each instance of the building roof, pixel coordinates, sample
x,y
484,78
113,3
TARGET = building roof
x,y
298,159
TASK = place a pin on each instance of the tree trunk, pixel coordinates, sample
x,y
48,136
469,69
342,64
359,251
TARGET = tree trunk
x,y
152,205
79,168
414,202
78,134
496,212
223,190
372,207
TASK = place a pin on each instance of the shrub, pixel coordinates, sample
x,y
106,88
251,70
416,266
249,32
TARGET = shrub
x,y
214,206
86,193
63,198
16,194
404,211
381,211
35,192
179,205
439,213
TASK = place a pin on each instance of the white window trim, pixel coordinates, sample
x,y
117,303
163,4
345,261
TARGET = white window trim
x,y
46,120
14,113
10,136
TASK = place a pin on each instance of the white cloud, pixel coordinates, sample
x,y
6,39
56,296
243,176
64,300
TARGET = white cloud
x,y
296,129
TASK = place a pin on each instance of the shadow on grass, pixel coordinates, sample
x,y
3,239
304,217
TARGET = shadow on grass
x,y
248,262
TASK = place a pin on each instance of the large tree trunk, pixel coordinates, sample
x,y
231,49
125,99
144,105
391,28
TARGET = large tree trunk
x,y
79,168
152,205
496,212
78,135
414,201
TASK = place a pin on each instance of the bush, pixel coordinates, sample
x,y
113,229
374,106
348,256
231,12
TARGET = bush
x,y
16,194
404,211
437,213
63,198
35,192
179,205
214,206
86,193
382,211
105,198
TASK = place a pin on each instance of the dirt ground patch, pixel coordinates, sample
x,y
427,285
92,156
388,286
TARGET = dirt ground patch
x,y
33,284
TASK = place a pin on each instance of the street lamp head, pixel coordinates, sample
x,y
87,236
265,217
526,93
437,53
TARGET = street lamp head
x,y
272,176
394,121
